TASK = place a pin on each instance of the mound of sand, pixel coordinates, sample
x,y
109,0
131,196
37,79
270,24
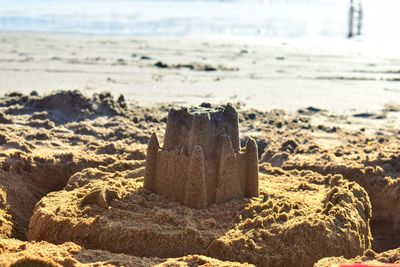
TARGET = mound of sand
x,y
18,253
38,153
372,162
300,218
66,106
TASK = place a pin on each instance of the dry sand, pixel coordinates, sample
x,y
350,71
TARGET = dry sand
x,y
72,166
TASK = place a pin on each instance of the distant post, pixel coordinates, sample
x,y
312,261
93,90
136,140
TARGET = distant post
x,y
355,13
360,17
351,19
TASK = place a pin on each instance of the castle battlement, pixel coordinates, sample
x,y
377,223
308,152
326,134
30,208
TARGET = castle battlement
x,y
201,161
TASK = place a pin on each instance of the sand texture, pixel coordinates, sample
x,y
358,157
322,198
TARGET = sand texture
x,y
72,169
369,257
18,253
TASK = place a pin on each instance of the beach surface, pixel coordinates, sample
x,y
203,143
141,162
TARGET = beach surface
x,y
327,183
342,77
326,122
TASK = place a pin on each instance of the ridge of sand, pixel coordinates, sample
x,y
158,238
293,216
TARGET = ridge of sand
x,y
18,253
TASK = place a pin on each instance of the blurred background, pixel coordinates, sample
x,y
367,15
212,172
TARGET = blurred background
x,y
286,54
305,19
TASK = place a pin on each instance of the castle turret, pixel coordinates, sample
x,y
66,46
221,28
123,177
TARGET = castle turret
x,y
175,131
251,153
199,131
151,163
228,184
195,190
233,122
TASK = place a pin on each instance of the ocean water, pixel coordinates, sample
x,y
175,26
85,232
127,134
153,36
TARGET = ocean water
x,y
268,18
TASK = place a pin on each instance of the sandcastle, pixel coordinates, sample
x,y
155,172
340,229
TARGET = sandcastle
x,y
201,161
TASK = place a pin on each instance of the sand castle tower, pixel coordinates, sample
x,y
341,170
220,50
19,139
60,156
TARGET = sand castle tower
x,y
201,161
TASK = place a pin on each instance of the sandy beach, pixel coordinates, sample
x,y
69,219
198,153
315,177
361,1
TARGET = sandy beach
x,y
80,113
342,77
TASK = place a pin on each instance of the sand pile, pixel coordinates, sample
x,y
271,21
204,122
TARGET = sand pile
x,y
362,150
18,253
65,106
374,163
42,145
